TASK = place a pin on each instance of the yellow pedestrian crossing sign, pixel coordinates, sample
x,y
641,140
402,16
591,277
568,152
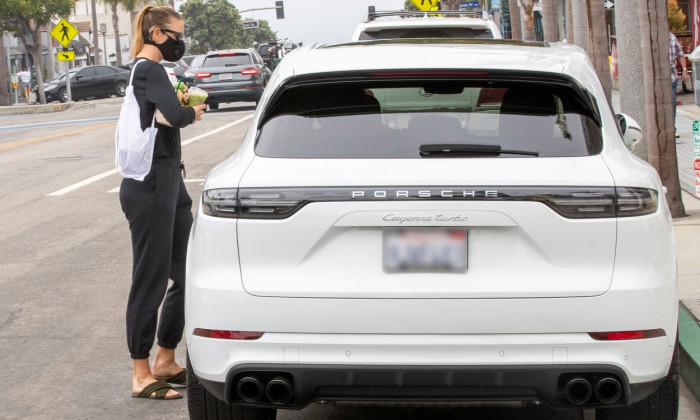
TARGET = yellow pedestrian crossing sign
x,y
427,5
64,32
65,55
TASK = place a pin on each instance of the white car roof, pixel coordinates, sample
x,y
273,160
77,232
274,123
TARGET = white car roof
x,y
440,54
466,22
388,22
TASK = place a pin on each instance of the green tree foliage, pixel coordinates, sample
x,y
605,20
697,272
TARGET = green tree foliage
x,y
676,18
213,25
24,20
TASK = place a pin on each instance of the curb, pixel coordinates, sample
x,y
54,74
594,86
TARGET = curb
x,y
42,109
689,353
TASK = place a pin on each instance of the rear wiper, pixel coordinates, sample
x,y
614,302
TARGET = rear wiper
x,y
457,150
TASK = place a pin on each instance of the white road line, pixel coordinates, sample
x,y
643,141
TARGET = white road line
x,y
114,171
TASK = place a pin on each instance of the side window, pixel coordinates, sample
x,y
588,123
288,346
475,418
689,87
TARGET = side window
x,y
105,71
87,72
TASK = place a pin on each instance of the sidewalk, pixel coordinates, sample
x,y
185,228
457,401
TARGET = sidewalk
x,y
687,230
23,108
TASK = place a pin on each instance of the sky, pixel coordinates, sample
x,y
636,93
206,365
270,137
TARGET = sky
x,y
311,21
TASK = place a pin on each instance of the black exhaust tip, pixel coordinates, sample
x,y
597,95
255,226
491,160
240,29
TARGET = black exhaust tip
x,y
578,391
608,390
250,389
279,390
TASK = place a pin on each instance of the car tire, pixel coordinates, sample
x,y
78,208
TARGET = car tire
x,y
661,405
201,405
213,105
120,89
63,95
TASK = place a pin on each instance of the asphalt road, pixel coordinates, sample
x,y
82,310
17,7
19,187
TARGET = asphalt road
x,y
65,262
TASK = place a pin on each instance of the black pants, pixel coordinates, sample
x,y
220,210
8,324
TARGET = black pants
x,y
159,212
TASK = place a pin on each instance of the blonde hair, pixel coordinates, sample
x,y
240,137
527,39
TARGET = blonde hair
x,y
150,16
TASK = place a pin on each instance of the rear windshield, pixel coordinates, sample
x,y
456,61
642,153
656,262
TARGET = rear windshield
x,y
427,33
429,119
226,60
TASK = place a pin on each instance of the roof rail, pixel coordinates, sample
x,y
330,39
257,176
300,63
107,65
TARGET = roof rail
x,y
372,15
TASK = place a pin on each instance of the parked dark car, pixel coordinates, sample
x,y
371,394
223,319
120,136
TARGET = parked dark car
x,y
230,76
88,82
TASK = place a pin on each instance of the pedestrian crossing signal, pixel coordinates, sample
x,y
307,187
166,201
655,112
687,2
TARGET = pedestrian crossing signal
x,y
426,5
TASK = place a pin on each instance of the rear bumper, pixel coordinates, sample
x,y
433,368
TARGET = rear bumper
x,y
450,384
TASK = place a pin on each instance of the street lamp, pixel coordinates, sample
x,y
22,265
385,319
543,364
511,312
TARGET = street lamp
x,y
103,30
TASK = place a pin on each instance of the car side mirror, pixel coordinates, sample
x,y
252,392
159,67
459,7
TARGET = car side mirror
x,y
77,77
630,129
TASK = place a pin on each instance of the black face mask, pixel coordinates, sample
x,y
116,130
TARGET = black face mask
x,y
172,50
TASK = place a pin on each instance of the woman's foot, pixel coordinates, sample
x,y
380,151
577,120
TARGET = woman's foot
x,y
138,384
164,364
142,378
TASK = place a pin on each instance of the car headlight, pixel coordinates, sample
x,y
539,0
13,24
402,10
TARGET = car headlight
x,y
49,87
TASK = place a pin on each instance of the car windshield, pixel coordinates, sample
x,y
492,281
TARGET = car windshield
x,y
62,76
429,119
197,61
227,60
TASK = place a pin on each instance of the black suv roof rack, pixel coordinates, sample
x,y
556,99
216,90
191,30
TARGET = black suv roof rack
x,y
372,15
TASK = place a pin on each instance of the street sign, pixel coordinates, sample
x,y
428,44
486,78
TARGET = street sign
x,y
469,5
426,5
64,32
65,55
250,24
696,150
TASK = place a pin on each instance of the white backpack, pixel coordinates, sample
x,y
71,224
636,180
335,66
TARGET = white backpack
x,y
134,147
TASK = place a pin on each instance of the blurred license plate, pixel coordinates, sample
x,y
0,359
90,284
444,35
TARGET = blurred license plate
x,y
425,250
226,76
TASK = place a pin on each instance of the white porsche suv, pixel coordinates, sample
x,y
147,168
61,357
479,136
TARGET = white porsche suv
x,y
433,220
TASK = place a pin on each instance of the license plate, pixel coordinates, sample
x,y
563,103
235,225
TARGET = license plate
x,y
424,250
226,76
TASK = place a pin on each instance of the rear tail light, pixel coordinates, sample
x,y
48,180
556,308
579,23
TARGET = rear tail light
x,y
225,54
250,71
569,202
627,335
228,335
201,74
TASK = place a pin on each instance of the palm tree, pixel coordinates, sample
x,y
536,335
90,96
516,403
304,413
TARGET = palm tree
x,y
549,21
515,28
653,30
569,22
598,44
95,38
527,8
114,4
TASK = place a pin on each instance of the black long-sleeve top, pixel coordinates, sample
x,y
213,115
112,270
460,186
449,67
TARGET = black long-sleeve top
x,y
152,90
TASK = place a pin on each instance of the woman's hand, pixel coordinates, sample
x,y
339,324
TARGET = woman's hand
x,y
198,111
183,95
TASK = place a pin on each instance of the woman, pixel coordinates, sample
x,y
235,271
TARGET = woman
x,y
158,209
24,77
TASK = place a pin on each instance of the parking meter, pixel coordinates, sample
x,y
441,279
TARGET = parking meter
x,y
694,58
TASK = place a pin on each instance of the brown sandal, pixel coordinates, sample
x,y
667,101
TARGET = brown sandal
x,y
156,391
